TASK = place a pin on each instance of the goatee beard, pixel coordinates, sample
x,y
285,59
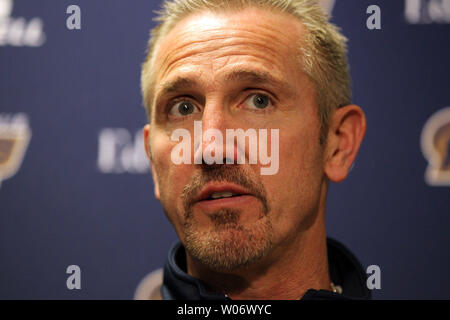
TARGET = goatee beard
x,y
228,244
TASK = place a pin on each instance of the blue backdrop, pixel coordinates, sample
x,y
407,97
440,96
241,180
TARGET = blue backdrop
x,y
80,193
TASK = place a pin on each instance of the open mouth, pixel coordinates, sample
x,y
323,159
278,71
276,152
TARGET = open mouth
x,y
222,195
221,191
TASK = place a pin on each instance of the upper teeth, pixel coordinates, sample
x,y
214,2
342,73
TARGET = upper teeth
x,y
224,194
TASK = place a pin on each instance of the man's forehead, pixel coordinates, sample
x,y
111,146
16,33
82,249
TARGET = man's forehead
x,y
251,22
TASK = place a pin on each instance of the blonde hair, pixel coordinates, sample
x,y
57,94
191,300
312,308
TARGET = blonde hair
x,y
323,50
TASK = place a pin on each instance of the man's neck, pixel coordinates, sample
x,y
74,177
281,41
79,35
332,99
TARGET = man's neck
x,y
291,270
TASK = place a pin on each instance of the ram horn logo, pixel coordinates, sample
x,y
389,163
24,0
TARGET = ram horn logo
x,y
14,137
435,142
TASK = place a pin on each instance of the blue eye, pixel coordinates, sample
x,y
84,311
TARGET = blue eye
x,y
258,101
183,108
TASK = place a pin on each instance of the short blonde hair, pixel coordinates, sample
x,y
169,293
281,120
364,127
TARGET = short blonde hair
x,y
323,51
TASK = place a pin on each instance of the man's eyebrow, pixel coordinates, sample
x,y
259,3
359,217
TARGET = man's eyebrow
x,y
176,85
261,77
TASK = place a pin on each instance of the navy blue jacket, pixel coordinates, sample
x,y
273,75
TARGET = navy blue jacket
x,y
345,271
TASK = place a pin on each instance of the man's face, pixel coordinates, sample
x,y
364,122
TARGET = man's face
x,y
236,70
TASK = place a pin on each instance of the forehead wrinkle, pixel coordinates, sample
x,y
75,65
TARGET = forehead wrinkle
x,y
208,42
231,33
231,24
182,46
265,55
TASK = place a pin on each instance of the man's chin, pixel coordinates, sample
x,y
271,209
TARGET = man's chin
x,y
228,247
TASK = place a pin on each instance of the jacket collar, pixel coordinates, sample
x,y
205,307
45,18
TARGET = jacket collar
x,y
345,271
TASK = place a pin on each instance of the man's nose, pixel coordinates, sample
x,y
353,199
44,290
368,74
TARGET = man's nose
x,y
216,116
216,119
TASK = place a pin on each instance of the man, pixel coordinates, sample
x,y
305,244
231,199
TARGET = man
x,y
276,65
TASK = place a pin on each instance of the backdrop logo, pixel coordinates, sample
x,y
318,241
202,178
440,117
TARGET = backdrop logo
x,y
427,11
14,137
18,31
435,142
120,151
327,5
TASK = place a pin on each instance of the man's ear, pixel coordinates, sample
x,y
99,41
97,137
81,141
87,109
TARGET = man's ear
x,y
346,132
149,155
